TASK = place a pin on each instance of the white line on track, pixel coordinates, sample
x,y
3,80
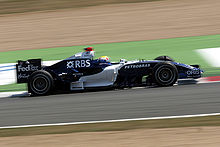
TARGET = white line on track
x,y
109,121
24,93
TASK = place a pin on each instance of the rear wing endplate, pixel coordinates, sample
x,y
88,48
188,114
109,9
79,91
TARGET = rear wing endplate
x,y
25,68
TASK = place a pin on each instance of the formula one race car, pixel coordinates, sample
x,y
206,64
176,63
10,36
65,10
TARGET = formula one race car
x,y
81,71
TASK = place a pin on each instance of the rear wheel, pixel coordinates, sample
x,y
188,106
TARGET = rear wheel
x,y
165,74
40,83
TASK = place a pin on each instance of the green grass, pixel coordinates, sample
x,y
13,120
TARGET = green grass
x,y
118,126
180,49
13,87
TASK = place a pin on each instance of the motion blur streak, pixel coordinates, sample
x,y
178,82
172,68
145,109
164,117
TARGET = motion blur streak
x,y
211,55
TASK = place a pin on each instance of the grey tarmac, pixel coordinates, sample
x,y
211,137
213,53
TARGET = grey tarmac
x,y
111,105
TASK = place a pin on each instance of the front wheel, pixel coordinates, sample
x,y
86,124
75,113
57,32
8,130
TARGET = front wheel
x,y
165,74
40,83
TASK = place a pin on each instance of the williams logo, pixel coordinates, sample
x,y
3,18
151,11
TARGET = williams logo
x,y
78,63
137,66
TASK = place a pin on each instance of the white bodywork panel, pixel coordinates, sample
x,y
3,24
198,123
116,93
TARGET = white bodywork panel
x,y
103,79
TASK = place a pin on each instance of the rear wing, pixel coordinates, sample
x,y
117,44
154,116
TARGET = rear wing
x,y
25,68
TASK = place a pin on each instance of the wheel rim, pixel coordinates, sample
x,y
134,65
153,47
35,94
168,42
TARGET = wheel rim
x,y
165,75
40,84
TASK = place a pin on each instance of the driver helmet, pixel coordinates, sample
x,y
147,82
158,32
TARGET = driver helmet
x,y
88,49
104,58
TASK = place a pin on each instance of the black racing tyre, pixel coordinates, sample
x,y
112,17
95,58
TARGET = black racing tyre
x,y
164,58
40,83
165,74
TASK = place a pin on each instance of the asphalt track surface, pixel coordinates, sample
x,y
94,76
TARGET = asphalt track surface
x,y
110,105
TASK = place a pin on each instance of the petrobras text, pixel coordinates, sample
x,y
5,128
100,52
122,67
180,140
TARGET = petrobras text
x,y
78,63
137,66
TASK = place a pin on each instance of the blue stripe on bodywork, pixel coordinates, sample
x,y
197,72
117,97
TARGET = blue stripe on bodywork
x,y
7,69
6,66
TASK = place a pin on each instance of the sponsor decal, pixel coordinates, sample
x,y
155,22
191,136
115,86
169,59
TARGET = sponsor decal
x,y
78,63
23,76
27,68
193,72
136,66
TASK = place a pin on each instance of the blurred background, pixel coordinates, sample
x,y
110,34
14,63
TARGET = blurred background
x,y
186,30
130,29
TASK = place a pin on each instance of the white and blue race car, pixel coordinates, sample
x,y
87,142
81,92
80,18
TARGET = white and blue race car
x,y
81,71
